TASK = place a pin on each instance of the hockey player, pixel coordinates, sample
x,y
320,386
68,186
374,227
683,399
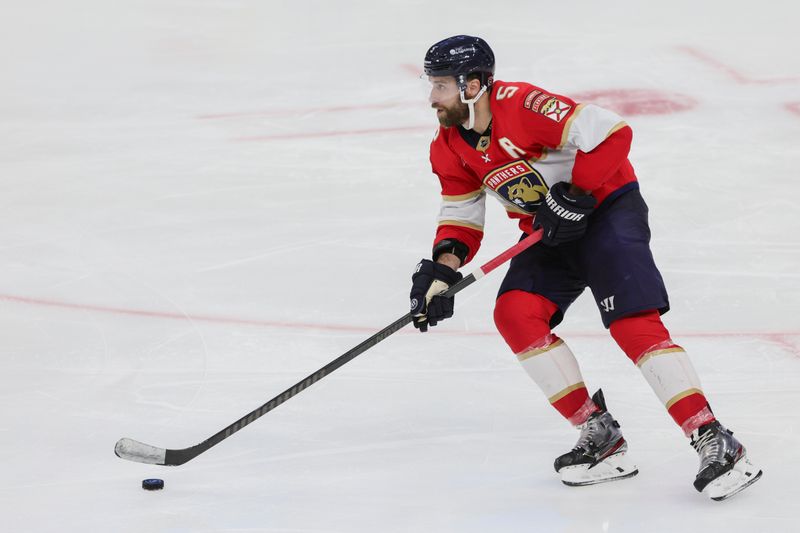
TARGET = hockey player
x,y
543,154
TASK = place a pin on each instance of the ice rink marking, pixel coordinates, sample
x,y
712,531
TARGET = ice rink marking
x,y
793,107
314,134
780,338
304,111
733,73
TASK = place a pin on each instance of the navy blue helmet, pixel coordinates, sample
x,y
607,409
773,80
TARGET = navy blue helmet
x,y
460,56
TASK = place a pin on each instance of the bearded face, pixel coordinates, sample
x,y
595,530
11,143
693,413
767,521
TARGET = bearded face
x,y
453,114
445,98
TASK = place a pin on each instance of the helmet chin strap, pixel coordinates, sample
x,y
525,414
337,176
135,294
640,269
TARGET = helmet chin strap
x,y
471,105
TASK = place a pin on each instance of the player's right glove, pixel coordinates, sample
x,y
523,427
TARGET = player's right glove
x,y
428,282
564,217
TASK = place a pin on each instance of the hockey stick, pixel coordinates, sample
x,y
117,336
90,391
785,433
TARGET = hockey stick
x,y
133,450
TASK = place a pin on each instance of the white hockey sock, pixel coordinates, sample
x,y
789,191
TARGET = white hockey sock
x,y
671,375
552,365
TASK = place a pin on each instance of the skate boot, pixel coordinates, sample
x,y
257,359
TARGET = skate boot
x,y
599,454
725,469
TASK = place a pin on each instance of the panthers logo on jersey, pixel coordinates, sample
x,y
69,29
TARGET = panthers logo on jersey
x,y
518,183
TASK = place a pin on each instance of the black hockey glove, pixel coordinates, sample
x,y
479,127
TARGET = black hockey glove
x,y
563,216
428,281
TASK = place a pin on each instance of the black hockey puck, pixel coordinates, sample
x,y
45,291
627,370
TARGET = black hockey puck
x,y
152,484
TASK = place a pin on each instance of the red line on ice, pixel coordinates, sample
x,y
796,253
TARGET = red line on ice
x,y
781,338
412,69
314,134
408,67
299,111
630,102
737,76
174,316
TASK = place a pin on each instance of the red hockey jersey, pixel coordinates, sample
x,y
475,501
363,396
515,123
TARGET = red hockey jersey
x,y
537,139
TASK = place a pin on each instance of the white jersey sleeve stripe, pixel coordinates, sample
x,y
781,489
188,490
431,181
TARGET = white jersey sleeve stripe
x,y
568,126
591,127
469,212
460,224
461,197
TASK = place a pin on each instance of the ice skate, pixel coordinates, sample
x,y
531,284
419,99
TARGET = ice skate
x,y
725,469
600,454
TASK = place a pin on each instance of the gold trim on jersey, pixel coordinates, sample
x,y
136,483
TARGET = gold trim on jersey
x,y
558,396
545,152
646,357
513,209
678,397
462,197
460,224
483,143
524,356
568,125
618,126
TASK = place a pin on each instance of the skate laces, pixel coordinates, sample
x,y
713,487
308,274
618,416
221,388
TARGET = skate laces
x,y
589,430
706,444
709,446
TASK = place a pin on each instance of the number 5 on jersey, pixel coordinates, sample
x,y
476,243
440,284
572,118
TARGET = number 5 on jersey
x,y
506,92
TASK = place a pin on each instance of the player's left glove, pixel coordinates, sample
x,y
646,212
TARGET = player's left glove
x,y
563,216
428,282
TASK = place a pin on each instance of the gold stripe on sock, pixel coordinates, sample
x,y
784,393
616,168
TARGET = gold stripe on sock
x,y
538,351
654,353
558,396
678,397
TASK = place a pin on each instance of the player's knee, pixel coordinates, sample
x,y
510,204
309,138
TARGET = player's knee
x,y
522,318
639,333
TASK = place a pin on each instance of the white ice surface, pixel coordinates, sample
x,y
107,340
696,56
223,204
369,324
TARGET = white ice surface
x,y
204,201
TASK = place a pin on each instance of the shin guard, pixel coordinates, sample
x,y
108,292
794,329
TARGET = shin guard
x,y
523,319
666,367
551,364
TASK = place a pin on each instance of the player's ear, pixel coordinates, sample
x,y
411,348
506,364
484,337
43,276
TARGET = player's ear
x,y
473,86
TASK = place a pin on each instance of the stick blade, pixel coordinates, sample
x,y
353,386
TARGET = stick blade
x,y
139,452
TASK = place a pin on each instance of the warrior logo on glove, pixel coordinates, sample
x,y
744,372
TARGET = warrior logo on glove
x,y
563,217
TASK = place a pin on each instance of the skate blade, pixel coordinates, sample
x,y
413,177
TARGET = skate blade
x,y
612,468
742,475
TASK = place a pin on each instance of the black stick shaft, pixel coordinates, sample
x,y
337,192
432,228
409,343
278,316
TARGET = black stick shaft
x,y
178,457
309,380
